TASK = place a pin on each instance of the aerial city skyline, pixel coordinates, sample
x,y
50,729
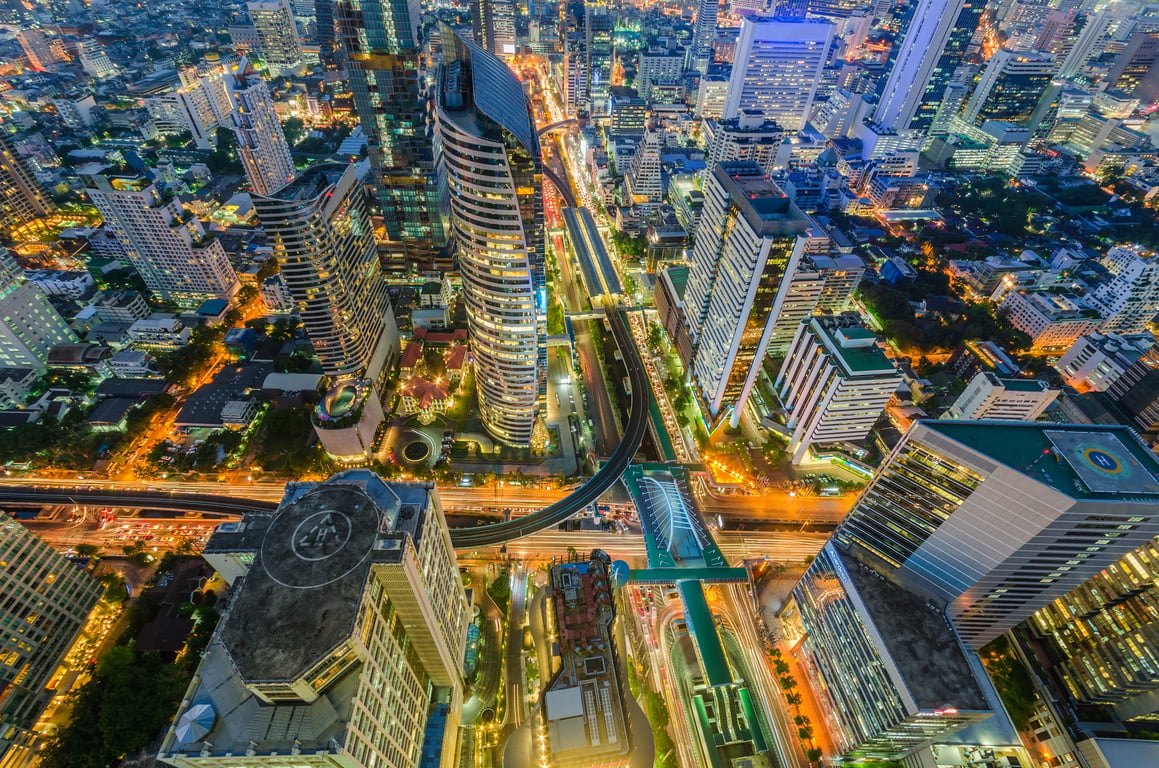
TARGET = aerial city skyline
x,y
589,384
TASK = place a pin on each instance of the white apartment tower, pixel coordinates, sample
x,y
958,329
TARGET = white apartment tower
x,y
749,240
164,242
989,397
281,47
494,180
319,227
777,67
834,384
1128,302
998,519
261,144
94,60
29,325
344,640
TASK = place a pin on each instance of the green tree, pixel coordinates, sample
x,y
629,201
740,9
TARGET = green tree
x,y
294,129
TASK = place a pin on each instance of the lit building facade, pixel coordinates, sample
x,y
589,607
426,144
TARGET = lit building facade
x,y
748,242
47,600
1010,88
1129,301
494,181
933,47
319,227
277,35
383,51
21,197
599,45
988,397
179,260
344,643
1000,518
834,384
890,674
778,65
261,144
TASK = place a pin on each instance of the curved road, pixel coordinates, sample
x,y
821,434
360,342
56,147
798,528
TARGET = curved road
x,y
497,533
461,538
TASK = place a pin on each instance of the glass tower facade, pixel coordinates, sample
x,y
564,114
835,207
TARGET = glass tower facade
x,y
383,51
494,185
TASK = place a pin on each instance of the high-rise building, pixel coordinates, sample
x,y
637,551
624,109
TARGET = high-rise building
x,y
383,50
703,33
179,260
344,643
1096,361
29,325
94,60
261,144
21,197
1088,41
599,44
277,35
997,519
47,600
644,182
834,385
748,137
1129,301
320,229
36,48
1101,639
777,68
490,152
747,243
658,68
1134,71
493,22
890,674
1136,395
199,104
933,47
1010,88
989,397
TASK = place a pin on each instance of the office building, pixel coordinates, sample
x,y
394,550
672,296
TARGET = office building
x,y
37,49
1053,321
1134,71
711,96
320,229
261,144
747,243
94,60
344,643
383,49
658,68
997,519
179,260
494,178
278,39
493,23
600,47
749,136
890,673
1010,88
583,701
777,68
989,397
834,385
1101,639
21,197
1096,361
700,53
644,182
47,600
1129,301
1136,396
820,285
29,325
1091,38
934,46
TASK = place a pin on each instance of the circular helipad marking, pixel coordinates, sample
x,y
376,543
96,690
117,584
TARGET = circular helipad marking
x,y
1103,461
321,535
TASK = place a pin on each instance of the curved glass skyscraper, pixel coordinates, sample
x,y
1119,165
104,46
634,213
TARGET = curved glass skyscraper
x,y
493,173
